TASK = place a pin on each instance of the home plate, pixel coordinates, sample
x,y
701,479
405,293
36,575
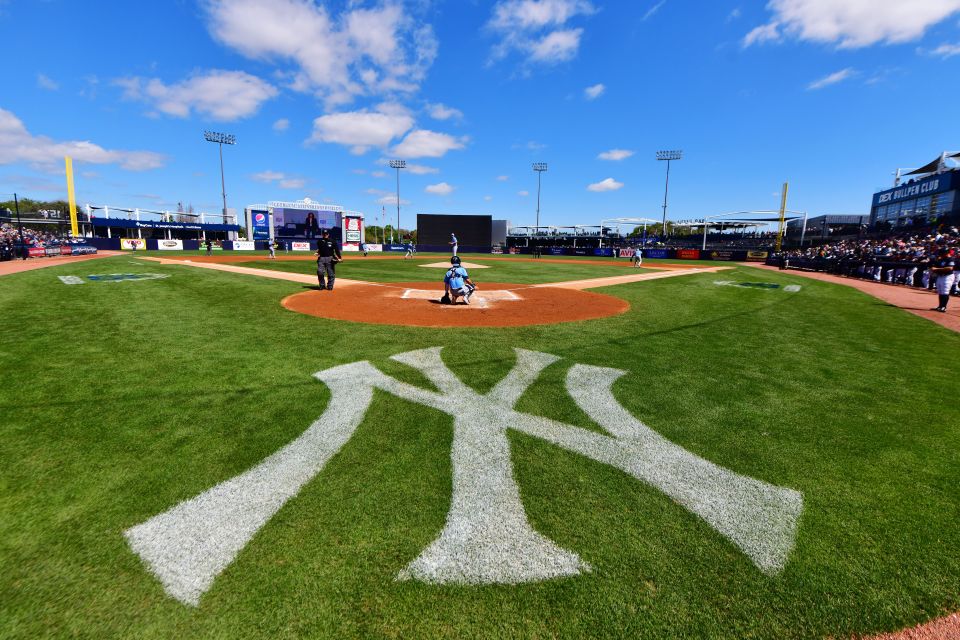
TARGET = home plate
x,y
446,265
480,299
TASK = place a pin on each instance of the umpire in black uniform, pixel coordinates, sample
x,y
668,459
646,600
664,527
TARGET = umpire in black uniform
x,y
328,255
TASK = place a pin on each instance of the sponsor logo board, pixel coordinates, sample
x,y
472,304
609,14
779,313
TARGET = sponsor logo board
x,y
687,254
170,245
243,245
133,244
300,246
757,256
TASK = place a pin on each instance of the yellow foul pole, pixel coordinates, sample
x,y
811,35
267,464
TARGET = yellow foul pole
x,y
71,196
783,213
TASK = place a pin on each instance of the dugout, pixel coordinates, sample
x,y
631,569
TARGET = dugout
x,y
474,232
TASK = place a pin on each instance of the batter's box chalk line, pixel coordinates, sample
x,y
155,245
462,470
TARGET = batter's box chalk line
x,y
487,538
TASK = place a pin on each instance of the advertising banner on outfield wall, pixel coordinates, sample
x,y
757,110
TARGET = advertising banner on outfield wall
x,y
688,254
374,247
170,245
133,244
36,252
243,245
720,255
757,256
394,247
660,254
65,250
625,253
300,246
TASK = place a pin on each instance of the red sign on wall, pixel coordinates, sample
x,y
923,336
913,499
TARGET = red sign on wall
x,y
688,254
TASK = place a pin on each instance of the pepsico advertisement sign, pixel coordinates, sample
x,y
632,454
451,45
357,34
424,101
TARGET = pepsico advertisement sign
x,y
261,224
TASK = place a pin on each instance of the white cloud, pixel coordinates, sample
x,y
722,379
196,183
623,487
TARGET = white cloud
x,y
609,184
733,15
443,112
361,51
763,33
487,198
427,144
281,125
523,194
392,200
292,183
851,23
595,91
502,178
267,176
440,189
359,172
19,145
46,83
833,78
421,170
283,180
557,46
360,130
538,29
221,95
615,154
946,50
531,145
378,174
653,10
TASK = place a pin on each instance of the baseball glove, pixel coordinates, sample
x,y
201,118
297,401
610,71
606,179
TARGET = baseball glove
x,y
445,299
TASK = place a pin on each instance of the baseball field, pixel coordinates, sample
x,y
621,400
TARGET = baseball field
x,y
666,452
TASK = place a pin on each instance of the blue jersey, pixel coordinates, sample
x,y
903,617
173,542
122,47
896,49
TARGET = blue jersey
x,y
455,277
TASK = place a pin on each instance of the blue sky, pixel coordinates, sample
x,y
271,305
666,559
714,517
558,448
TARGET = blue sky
x,y
831,95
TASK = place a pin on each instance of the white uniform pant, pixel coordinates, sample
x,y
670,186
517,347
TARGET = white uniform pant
x,y
945,283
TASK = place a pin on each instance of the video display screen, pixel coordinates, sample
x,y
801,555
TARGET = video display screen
x,y
303,223
471,231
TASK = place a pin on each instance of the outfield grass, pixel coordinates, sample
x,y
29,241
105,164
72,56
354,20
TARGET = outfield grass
x,y
123,399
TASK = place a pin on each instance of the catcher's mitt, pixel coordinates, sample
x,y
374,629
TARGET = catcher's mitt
x,y
445,299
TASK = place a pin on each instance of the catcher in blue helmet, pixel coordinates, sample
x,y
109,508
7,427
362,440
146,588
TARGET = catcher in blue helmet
x,y
457,283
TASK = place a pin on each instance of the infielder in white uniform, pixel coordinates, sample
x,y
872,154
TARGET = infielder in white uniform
x,y
453,243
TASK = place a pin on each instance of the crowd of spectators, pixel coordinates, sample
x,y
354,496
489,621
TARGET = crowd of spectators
x,y
905,258
10,240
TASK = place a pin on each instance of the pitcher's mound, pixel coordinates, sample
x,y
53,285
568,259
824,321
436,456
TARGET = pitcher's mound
x,y
492,305
447,265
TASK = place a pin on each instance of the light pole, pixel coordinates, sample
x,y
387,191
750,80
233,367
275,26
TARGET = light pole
x,y
221,139
539,167
16,205
398,164
668,156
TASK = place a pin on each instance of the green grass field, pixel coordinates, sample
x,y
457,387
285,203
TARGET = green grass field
x,y
122,399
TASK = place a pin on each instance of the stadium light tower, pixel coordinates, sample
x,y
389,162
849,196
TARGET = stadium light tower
x,y
221,139
398,164
668,156
539,167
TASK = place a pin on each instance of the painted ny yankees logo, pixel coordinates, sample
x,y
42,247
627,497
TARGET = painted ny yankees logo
x,y
487,538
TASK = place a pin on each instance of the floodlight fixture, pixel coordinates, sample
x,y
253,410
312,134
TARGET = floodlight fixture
x,y
221,139
668,156
398,164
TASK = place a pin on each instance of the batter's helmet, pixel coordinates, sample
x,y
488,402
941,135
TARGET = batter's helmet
x,y
455,260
